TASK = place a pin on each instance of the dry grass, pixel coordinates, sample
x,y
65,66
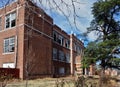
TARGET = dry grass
x,y
63,82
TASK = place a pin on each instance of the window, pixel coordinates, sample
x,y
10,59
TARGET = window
x,y
10,20
67,57
9,44
55,36
78,50
67,43
61,70
0,24
60,39
75,47
61,56
54,54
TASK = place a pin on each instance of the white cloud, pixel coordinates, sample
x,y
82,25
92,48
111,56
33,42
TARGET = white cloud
x,y
92,36
83,10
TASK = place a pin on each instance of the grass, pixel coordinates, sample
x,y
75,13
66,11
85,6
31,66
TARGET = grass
x,y
63,82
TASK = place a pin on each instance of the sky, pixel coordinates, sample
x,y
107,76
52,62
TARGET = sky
x,y
83,10
64,15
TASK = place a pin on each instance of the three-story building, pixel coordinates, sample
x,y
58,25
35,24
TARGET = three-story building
x,y
30,41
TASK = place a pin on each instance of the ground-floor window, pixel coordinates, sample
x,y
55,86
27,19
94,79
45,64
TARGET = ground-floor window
x,y
62,70
67,70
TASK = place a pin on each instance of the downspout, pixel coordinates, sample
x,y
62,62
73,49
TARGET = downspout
x,y
16,39
71,54
16,49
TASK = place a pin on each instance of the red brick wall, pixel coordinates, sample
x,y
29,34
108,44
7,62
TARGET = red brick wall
x,y
39,40
40,55
15,31
57,64
37,44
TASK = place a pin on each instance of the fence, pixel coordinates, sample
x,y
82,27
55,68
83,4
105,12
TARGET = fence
x,y
10,72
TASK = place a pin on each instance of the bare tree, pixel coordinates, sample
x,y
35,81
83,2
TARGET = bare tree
x,y
70,9
29,64
4,79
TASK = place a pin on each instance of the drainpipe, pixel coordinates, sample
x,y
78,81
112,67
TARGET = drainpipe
x,y
16,49
71,54
16,38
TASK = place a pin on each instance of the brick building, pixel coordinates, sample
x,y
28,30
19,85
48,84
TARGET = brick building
x,y
30,41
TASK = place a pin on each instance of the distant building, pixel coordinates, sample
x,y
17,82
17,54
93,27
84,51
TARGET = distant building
x,y
111,72
31,42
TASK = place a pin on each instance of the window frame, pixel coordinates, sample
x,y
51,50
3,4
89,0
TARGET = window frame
x,y
55,35
55,54
67,43
11,17
10,46
67,55
61,56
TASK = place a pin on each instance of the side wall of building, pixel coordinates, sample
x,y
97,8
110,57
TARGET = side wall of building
x,y
60,46
38,42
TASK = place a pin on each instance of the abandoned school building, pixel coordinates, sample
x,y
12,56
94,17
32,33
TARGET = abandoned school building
x,y
31,42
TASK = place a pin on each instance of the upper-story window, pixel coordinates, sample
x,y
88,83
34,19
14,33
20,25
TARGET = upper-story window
x,y
10,20
9,44
75,47
54,54
55,36
79,50
67,43
60,40
63,41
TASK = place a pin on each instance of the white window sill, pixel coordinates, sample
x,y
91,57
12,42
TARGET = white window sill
x,y
6,29
8,53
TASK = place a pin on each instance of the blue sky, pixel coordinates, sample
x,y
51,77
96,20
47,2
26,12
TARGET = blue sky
x,y
4,2
83,10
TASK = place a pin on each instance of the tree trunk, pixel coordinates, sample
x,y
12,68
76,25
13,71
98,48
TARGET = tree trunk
x,y
85,71
102,75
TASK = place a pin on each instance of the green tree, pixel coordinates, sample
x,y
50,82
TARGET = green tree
x,y
105,13
107,25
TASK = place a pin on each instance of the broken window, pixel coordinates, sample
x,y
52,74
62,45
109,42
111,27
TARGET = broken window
x,y
9,44
10,20
67,43
54,36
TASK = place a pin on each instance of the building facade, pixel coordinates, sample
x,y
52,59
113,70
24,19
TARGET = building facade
x,y
31,42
